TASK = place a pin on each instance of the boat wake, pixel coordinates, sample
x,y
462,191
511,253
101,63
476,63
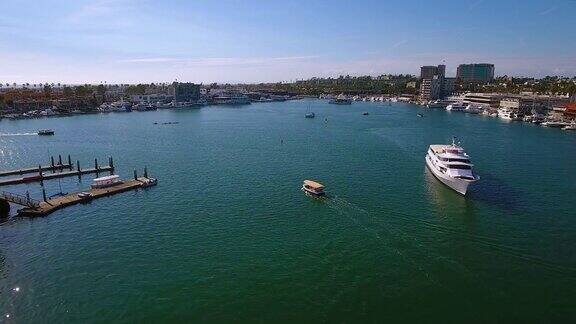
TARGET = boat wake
x,y
19,134
345,208
393,238
389,232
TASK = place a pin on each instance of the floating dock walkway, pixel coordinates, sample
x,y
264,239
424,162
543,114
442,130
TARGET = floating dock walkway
x,y
59,166
42,176
53,204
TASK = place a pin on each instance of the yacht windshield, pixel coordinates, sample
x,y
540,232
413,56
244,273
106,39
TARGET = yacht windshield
x,y
460,167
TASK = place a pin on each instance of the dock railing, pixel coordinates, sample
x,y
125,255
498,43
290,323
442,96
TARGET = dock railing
x,y
19,199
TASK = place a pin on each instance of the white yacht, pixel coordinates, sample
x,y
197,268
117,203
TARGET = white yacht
x,y
451,165
341,100
473,110
456,107
507,114
570,127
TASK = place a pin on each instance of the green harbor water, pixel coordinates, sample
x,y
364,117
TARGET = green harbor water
x,y
227,235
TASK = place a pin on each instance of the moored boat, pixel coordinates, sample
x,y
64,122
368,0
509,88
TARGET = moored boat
x,y
456,107
105,182
341,100
570,127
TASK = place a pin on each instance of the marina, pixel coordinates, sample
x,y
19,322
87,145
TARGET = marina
x,y
229,202
52,167
56,172
44,208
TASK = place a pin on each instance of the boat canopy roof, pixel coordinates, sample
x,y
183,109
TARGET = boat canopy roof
x,y
107,178
313,184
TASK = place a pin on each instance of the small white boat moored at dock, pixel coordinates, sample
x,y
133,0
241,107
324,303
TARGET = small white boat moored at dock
x,y
451,165
105,182
313,188
555,124
341,100
149,182
570,127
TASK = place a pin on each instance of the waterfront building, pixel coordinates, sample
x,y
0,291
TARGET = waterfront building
x,y
570,111
491,100
434,85
448,86
430,71
151,98
186,92
430,89
476,72
406,97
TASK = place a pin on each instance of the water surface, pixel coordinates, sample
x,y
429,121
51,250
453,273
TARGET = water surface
x,y
228,236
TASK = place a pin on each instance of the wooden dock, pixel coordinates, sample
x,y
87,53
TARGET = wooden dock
x,y
57,172
50,176
54,166
53,204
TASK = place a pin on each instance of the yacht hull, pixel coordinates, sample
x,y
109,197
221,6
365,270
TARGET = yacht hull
x,y
458,185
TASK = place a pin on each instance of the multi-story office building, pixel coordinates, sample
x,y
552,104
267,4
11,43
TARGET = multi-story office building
x,y
186,92
434,84
429,71
430,89
481,72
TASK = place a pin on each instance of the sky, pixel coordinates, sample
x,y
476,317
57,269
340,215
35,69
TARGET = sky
x,y
204,41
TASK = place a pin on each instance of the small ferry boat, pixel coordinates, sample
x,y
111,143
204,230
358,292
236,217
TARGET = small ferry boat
x,y
451,165
341,100
45,132
313,188
310,115
105,182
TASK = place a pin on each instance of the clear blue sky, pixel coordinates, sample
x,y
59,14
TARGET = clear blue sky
x,y
76,41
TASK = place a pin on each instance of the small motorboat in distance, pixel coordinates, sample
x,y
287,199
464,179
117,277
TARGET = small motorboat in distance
x,y
419,115
45,132
310,115
313,188
365,113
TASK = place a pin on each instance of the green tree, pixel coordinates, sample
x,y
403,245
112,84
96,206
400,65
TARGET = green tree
x,y
47,91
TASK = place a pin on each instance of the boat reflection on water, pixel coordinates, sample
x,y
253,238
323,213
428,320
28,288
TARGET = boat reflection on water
x,y
446,201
